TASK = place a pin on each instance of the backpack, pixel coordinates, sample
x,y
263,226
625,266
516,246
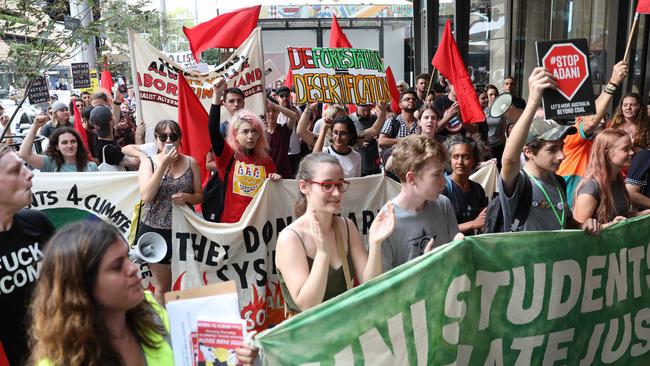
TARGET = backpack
x,y
494,214
214,195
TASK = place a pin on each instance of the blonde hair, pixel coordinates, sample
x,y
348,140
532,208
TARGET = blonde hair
x,y
413,152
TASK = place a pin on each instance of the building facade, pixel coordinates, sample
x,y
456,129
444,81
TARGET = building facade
x,y
497,37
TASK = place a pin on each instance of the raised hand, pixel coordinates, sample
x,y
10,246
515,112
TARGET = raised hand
x,y
382,226
539,80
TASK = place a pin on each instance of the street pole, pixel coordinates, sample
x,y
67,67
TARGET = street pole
x,y
80,9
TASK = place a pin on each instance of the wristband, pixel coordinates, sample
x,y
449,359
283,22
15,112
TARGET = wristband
x,y
609,91
610,82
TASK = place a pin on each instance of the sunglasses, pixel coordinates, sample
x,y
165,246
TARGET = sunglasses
x,y
164,137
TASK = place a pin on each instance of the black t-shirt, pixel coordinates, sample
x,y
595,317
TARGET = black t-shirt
x,y
113,152
21,251
467,205
639,172
370,150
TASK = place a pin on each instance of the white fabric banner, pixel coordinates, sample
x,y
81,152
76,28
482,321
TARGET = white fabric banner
x,y
69,197
244,252
157,80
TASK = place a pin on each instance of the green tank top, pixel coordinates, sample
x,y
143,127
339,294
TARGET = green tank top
x,y
335,278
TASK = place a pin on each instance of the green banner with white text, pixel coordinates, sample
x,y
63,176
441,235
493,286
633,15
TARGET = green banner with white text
x,y
539,298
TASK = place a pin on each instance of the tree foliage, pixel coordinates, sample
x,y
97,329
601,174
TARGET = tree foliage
x,y
39,41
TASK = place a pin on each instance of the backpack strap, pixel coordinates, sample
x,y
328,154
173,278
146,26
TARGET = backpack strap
x,y
525,203
448,185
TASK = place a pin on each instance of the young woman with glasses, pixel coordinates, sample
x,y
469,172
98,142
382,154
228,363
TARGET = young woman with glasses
x,y
167,177
344,136
243,154
320,254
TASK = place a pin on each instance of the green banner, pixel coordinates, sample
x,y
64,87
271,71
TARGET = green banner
x,y
551,298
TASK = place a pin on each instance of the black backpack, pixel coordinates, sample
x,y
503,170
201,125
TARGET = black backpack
x,y
494,214
214,195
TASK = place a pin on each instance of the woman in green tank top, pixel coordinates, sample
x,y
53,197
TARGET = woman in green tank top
x,y
320,253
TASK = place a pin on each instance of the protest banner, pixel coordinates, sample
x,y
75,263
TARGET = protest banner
x,y
69,197
156,77
338,75
244,252
80,75
568,61
562,297
38,91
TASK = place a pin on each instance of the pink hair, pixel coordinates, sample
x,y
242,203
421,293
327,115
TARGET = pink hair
x,y
261,149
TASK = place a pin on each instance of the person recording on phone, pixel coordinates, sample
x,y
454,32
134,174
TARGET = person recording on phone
x,y
166,177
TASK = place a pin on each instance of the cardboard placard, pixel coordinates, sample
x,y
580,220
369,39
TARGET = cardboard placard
x,y
38,92
185,307
568,61
80,75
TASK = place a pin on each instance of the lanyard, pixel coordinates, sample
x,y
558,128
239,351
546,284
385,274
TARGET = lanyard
x,y
559,218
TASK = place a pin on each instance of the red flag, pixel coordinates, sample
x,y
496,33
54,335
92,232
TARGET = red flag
x,y
288,80
643,7
394,92
107,81
193,121
448,61
78,125
337,37
229,30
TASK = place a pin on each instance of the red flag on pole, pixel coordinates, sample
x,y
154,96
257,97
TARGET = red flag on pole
x,y
229,30
107,81
448,61
193,121
643,7
78,125
337,37
394,92
288,80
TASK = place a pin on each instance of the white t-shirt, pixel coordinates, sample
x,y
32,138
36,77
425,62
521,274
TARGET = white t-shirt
x,y
150,149
351,162
294,140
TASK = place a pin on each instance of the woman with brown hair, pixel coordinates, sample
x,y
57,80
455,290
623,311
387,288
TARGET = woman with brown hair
x,y
319,254
166,177
64,153
89,307
630,118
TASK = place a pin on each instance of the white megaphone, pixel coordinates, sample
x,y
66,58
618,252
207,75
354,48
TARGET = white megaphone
x,y
150,248
502,107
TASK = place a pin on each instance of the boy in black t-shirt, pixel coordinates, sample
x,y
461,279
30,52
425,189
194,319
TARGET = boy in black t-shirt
x,y
23,235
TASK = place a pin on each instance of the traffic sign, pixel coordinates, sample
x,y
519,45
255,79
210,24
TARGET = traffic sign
x,y
568,61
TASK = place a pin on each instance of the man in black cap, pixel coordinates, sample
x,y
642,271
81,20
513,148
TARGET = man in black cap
x,y
283,97
101,117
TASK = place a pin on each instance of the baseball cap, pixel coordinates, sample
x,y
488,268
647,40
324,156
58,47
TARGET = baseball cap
x,y
101,117
58,105
283,91
548,130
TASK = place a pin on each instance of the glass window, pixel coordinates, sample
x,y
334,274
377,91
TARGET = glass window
x,y
486,57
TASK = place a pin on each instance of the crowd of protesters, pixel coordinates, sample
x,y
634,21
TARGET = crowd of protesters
x,y
588,176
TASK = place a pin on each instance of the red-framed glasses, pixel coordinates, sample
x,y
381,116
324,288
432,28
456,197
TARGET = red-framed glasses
x,y
328,186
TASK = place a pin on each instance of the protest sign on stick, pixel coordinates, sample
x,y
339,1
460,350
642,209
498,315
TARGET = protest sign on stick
x,y
80,75
568,61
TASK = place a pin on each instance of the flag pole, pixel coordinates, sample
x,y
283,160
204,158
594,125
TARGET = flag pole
x,y
433,72
628,48
134,77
